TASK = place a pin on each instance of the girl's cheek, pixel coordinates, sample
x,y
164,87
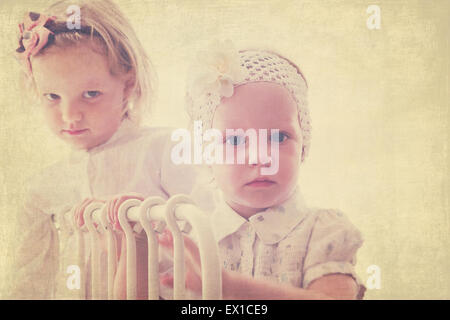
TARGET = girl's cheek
x,y
289,159
50,113
222,173
291,149
225,176
104,107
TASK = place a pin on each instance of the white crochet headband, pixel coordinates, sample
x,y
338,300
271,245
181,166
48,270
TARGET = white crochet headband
x,y
218,71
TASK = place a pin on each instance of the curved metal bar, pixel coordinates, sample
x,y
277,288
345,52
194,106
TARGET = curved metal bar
x,y
177,208
112,250
80,253
153,254
95,249
131,247
179,287
208,248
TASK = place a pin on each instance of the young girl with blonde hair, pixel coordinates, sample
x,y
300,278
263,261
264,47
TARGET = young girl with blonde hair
x,y
93,83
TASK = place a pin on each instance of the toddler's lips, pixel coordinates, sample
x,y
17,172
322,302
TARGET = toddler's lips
x,y
75,132
260,183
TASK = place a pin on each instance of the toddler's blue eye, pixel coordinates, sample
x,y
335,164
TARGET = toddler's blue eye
x,y
91,94
278,137
51,96
235,140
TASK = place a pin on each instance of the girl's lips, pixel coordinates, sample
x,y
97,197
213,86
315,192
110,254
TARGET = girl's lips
x,y
75,132
260,183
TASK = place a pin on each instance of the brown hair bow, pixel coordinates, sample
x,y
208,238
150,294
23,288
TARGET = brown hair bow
x,y
34,35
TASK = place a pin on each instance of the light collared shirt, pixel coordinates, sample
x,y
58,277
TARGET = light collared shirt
x,y
289,243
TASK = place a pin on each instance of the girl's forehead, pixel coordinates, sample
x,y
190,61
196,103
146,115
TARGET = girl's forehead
x,y
257,105
71,68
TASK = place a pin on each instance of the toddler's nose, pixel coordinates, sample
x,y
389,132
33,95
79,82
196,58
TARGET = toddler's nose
x,y
262,161
70,113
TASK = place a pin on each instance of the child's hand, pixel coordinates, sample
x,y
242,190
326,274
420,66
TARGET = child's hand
x,y
114,204
79,211
193,273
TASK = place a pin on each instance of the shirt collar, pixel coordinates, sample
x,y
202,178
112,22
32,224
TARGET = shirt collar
x,y
271,225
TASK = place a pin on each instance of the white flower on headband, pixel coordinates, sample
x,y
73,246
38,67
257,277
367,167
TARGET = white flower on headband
x,y
215,71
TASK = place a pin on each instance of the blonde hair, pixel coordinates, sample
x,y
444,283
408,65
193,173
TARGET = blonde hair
x,y
102,23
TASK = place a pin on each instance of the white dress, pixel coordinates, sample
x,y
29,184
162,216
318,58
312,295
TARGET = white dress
x,y
134,159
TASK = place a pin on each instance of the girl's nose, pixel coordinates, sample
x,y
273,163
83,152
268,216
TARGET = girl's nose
x,y
70,113
263,161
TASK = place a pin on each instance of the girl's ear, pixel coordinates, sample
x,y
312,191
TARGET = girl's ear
x,y
127,92
129,86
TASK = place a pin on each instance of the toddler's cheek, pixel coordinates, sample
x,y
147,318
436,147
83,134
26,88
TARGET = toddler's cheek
x,y
290,159
51,118
223,176
291,149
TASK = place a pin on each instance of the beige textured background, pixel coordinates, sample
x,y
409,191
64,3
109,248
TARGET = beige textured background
x,y
378,99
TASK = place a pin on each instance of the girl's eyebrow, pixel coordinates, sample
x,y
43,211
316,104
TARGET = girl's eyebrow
x,y
91,84
47,91
94,83
289,126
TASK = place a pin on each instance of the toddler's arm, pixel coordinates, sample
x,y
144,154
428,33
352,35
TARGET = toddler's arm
x,y
241,287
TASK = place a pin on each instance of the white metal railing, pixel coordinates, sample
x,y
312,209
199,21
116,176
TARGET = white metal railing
x,y
166,214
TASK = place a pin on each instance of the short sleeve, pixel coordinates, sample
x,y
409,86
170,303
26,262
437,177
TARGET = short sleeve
x,y
333,244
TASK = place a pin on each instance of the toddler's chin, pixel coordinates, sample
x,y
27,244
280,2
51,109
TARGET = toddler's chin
x,y
77,146
260,203
264,200
74,145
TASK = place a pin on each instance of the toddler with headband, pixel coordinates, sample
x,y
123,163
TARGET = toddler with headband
x,y
92,82
272,245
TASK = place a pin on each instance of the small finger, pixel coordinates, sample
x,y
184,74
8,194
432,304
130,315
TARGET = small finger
x,y
79,217
110,213
115,215
166,239
166,280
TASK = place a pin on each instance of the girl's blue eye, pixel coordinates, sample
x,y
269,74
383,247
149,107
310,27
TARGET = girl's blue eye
x,y
235,140
278,137
91,94
51,96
